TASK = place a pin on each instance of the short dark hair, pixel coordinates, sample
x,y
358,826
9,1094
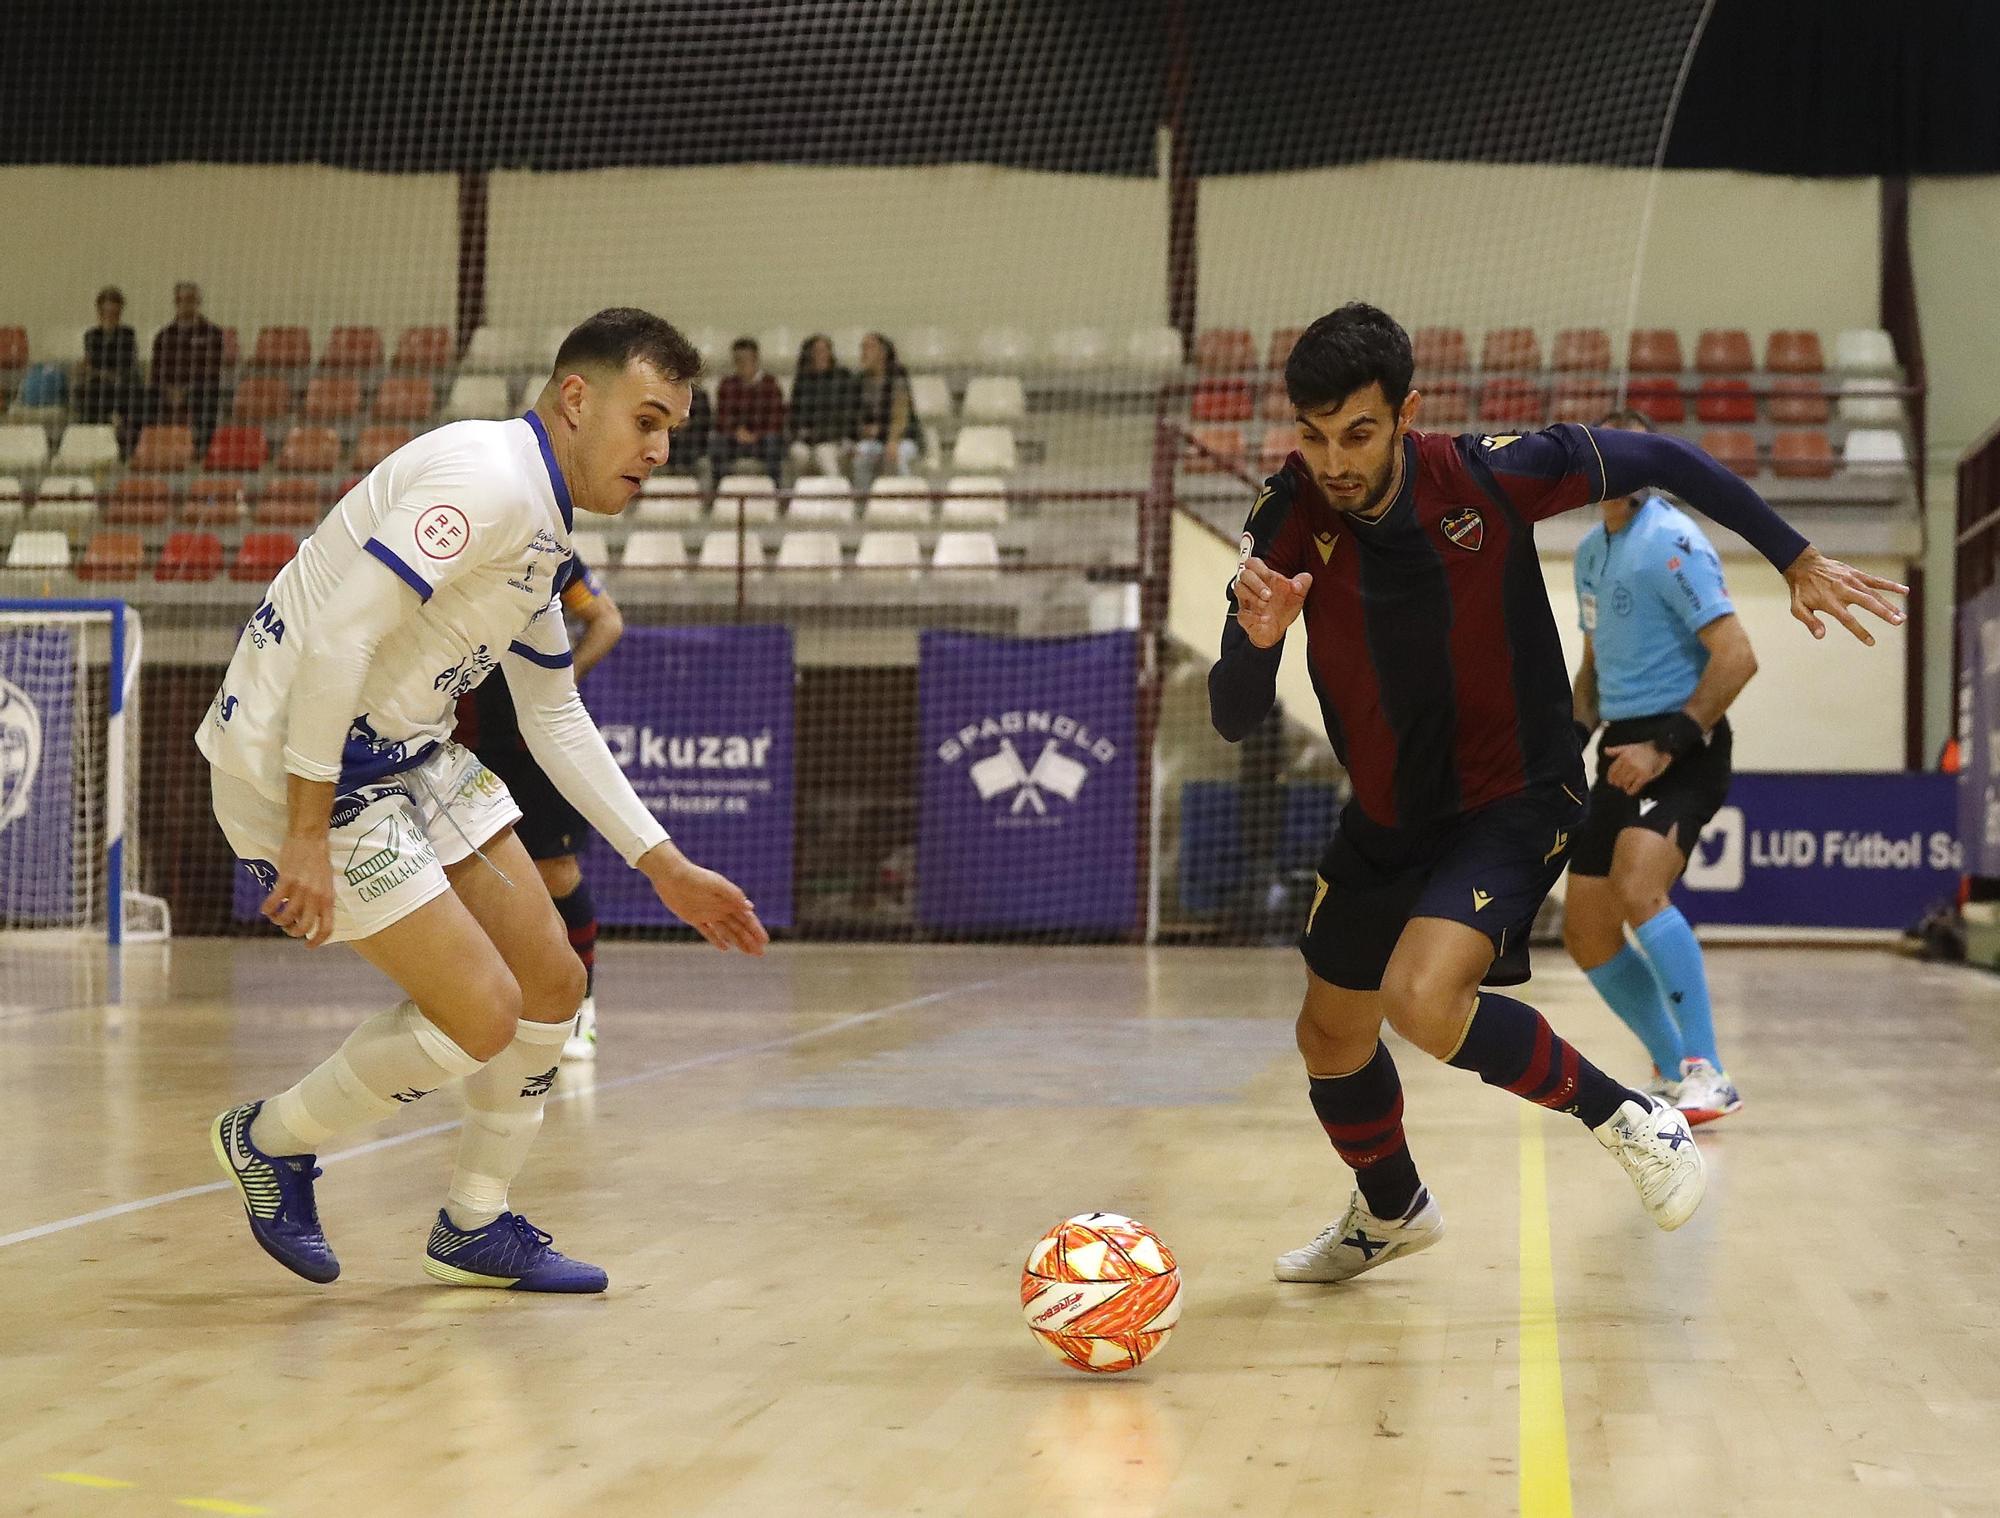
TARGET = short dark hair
x,y
617,335
110,292
1345,351
1626,416
742,343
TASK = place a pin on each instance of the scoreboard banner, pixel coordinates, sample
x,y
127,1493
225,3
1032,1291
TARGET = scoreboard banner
x,y
1825,851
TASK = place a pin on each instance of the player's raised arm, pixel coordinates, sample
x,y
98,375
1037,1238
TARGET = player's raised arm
x,y
1263,602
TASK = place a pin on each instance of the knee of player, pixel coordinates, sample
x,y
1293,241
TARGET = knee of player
x,y
1424,1008
1640,901
490,1027
561,876
571,984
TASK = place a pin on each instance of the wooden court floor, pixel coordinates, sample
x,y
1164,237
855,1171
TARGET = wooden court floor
x,y
813,1180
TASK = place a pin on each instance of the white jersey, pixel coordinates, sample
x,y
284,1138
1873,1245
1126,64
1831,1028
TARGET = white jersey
x,y
475,518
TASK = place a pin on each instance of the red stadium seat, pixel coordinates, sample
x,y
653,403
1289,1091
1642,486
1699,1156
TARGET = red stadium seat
x,y
1225,350
262,555
189,556
1440,350
1794,352
1725,401
1225,400
352,348
1283,340
1724,350
1654,350
424,348
1733,448
282,348
214,501
404,398
1510,349
1277,445
139,500
1445,401
1583,401
237,448
1658,400
1582,350
310,450
1798,402
112,556
13,347
376,444
164,450
1516,402
331,398
290,503
261,398
1803,456
1213,450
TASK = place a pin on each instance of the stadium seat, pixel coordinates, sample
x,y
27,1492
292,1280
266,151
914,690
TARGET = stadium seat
x,y
809,550
654,548
993,398
974,500
481,397
375,443
889,550
669,498
261,555
290,503
1658,400
1510,349
282,348
237,448
44,393
139,501
160,450
329,398
66,487
1875,448
1079,348
24,448
1654,350
1440,350
591,546
1724,350
310,450
983,450
10,488
1515,402
967,553
352,348
1213,450
1277,445
264,398
86,448
898,500
778,349
1445,401
818,499
112,556
13,349
423,349
38,550
1724,401
931,396
754,496
919,348
719,551
1584,401
214,501
1582,350
189,555
1802,456
12,508
1733,448
75,515
1225,350
493,350
1155,350
1866,350
1222,400
1798,402
404,398
1003,348
1279,348
1871,403
1793,351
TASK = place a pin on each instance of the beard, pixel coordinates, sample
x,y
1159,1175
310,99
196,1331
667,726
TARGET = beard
x,y
1377,491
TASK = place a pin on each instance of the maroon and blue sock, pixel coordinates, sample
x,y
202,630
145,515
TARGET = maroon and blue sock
x,y
579,915
1363,1115
1509,1044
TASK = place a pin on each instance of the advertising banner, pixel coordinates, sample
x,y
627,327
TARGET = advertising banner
x,y
38,713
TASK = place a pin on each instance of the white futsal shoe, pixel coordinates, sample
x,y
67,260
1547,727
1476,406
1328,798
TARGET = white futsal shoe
x,y
1361,1241
1705,1093
582,1040
1658,1151
1664,1089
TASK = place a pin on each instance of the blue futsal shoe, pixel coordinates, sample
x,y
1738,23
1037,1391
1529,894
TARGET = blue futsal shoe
x,y
508,1254
277,1193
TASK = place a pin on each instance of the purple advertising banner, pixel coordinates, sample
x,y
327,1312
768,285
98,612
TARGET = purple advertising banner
x,y
38,697
1029,783
1979,732
700,720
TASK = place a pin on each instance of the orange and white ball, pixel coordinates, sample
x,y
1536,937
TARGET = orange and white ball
x,y
1101,1292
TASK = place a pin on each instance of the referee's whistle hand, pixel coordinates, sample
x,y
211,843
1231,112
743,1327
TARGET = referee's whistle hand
x,y
1267,602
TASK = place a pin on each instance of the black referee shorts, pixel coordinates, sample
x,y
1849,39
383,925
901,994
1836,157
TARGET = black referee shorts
x,y
1678,805
550,827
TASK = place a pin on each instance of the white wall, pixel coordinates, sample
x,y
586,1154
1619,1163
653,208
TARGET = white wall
x,y
267,245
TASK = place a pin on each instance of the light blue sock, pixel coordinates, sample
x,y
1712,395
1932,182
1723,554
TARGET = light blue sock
x,y
1626,983
1674,954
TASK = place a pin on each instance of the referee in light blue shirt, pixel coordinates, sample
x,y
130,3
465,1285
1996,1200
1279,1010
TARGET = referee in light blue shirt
x,y
1663,657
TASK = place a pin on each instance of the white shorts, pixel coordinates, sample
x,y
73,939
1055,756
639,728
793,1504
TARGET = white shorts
x,y
390,841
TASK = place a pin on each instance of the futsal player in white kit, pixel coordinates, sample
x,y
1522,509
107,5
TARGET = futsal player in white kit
x,y
335,779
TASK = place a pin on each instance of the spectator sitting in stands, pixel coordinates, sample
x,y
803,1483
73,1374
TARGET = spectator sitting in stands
x,y
891,435
749,413
108,388
691,438
824,401
187,367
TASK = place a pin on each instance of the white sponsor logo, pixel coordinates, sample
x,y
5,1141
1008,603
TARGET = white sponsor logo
x,y
642,748
1005,773
1727,849
20,752
1717,861
1648,804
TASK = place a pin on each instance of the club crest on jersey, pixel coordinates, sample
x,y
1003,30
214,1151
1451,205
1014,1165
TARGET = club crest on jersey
x,y
1466,528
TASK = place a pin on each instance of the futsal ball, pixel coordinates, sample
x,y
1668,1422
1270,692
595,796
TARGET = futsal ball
x,y
1101,1292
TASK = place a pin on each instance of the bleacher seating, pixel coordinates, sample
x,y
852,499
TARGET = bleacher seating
x,y
1723,350
1154,350
754,496
86,448
1001,348
653,548
930,394
1725,401
1440,350
819,499
189,555
493,350
160,450
423,349
290,503
1581,350
993,398
213,501
38,550
1225,350
1875,448
404,398
352,348
329,398
481,397
898,501
1733,447
139,501
719,550
282,348
1793,352
237,449
809,550
112,555
23,448
1797,401
974,501
1654,350
261,555
1514,349
1802,456
310,449
889,550
984,450
1866,351
967,553
1079,348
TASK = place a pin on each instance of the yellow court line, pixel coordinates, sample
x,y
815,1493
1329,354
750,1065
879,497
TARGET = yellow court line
x,y
1544,1436
218,1505
77,1478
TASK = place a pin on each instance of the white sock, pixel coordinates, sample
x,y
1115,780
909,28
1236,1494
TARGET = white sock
x,y
503,1113
395,1058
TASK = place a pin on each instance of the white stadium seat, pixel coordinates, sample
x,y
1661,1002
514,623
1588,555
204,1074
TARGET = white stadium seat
x,y
984,450
974,500
592,547
899,500
74,515
977,552
493,350
718,551
778,349
994,398
889,550
39,550
24,448
1865,350
669,499
1079,348
478,397
809,550
1157,350
66,487
753,494
931,396
818,499
1871,403
655,548
919,348
86,447
1004,347
1875,448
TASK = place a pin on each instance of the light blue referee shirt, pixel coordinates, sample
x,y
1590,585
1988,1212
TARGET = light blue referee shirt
x,y
1643,594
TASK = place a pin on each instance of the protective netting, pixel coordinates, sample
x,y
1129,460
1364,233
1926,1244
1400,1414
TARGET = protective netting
x,y
915,642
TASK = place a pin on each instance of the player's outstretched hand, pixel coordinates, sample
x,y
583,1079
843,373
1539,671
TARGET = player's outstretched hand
x,y
1820,584
713,905
1267,602
302,901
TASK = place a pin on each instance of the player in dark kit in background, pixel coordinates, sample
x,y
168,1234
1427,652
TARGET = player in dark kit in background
x,y
1435,658
549,825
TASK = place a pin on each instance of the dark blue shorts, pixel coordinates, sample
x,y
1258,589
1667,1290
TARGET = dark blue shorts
x,y
1490,869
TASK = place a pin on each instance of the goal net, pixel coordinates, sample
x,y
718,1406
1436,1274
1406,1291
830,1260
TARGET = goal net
x,y
919,612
